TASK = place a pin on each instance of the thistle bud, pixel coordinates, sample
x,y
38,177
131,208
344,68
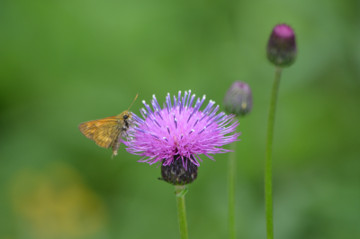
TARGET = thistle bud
x,y
238,99
281,48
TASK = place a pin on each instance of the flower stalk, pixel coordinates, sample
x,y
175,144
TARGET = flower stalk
x,y
180,191
268,160
231,191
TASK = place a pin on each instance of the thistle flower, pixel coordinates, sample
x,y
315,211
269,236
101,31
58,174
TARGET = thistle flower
x,y
281,51
281,48
177,134
238,99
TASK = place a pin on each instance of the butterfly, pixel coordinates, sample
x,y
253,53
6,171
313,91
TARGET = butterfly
x,y
108,131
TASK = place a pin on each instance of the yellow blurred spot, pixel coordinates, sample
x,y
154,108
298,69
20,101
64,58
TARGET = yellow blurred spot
x,y
243,105
56,204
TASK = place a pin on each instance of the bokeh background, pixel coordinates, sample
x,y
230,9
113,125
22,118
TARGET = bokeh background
x,y
65,62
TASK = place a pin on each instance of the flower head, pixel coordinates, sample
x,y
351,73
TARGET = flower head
x,y
180,132
238,99
281,48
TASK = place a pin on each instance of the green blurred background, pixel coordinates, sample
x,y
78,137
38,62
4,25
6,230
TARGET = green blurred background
x,y
65,62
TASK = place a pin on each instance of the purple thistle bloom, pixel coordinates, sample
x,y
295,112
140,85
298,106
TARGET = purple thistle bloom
x,y
180,131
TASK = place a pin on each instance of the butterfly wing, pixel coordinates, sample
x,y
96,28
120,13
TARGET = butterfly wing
x,y
103,132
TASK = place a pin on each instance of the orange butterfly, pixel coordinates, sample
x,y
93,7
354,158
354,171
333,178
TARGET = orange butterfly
x,y
107,132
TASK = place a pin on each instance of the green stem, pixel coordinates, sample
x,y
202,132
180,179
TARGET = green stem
x,y
231,182
268,161
180,192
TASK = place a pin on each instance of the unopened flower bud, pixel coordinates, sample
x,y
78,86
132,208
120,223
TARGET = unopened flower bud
x,y
238,99
281,48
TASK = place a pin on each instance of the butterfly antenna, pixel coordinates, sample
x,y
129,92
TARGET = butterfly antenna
x,y
136,96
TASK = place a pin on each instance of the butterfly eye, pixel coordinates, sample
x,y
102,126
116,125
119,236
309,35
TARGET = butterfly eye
x,y
125,117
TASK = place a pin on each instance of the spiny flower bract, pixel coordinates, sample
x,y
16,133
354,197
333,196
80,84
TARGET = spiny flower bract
x,y
180,130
